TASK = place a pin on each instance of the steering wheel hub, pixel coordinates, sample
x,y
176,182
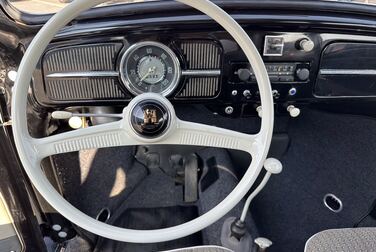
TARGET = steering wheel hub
x,y
150,118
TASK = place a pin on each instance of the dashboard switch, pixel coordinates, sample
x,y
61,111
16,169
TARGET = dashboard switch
x,y
234,92
229,110
306,45
275,94
293,111
247,94
292,91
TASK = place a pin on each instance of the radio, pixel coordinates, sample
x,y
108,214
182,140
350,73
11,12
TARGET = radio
x,y
288,73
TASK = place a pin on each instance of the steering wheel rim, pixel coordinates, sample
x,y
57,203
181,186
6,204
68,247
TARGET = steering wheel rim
x,y
30,154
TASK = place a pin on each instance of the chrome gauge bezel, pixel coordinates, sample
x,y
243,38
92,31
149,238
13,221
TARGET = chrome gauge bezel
x,y
124,60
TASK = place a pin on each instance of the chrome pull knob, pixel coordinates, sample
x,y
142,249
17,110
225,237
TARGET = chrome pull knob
x,y
247,94
293,111
306,45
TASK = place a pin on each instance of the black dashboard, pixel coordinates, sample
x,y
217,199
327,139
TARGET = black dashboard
x,y
311,57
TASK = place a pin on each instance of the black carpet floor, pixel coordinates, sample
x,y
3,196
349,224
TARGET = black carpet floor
x,y
151,218
94,179
329,153
111,178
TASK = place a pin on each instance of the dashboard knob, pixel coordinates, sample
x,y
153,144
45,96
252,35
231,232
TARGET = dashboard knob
x,y
229,110
302,74
306,45
244,74
292,91
293,111
247,94
276,94
75,122
259,111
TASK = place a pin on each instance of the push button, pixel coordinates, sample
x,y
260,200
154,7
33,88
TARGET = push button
x,y
273,78
286,78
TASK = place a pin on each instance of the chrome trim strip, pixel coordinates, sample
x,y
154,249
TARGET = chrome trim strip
x,y
194,73
84,74
347,72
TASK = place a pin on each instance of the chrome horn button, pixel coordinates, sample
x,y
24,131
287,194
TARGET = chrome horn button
x,y
150,118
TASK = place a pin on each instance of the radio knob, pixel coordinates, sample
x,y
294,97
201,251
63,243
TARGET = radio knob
x,y
306,45
302,74
244,74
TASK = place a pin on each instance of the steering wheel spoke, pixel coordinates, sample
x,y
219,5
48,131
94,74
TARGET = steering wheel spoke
x,y
189,133
100,136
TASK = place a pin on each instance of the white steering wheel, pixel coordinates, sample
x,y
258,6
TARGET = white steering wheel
x,y
126,131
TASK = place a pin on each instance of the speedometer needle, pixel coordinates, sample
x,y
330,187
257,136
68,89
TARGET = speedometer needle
x,y
150,71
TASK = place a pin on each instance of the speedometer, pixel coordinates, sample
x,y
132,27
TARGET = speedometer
x,y
150,67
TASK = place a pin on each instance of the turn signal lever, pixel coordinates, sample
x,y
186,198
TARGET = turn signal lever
x,y
76,120
64,115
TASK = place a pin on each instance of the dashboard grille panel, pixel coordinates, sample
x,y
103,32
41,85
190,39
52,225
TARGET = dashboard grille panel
x,y
81,59
202,54
200,87
83,89
93,57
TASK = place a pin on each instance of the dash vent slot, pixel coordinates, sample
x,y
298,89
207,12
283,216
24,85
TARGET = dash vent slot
x,y
202,54
91,57
205,87
83,89
67,69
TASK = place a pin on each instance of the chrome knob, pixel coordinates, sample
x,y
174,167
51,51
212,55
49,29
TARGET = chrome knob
x,y
247,94
229,110
306,45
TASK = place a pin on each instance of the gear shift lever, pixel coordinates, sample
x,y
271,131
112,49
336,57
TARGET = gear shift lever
x,y
235,227
272,166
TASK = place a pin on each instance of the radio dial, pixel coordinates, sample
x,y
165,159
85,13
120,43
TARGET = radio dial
x,y
302,74
244,74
